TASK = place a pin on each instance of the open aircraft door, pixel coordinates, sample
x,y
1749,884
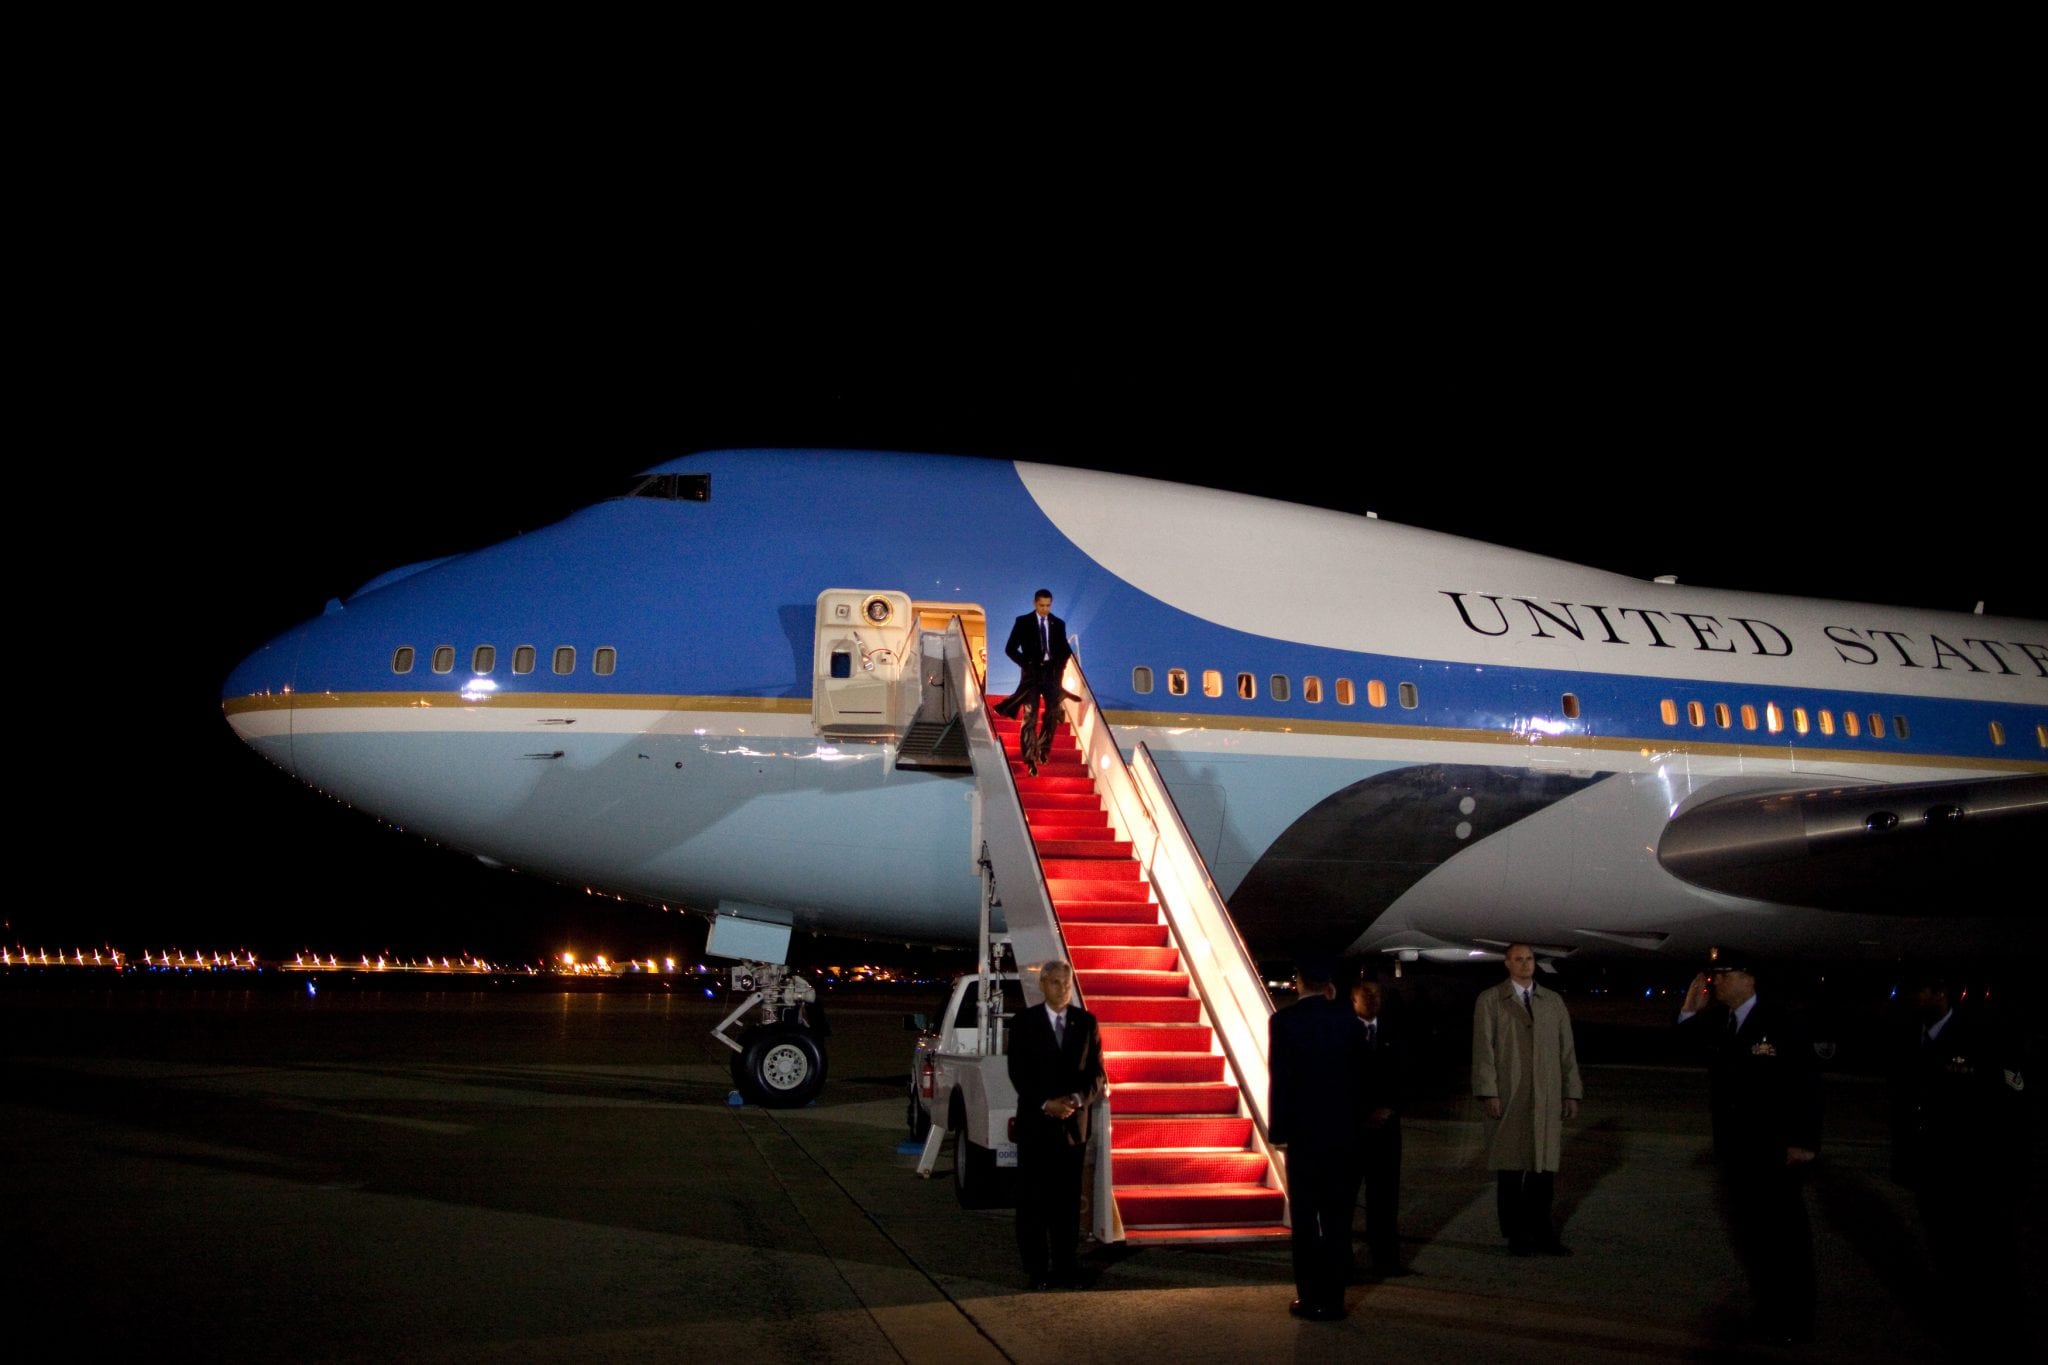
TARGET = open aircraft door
x,y
864,666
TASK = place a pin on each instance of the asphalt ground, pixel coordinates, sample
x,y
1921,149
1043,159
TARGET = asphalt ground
x,y
222,1173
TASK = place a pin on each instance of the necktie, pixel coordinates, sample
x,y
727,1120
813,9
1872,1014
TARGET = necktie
x,y
1044,642
1525,1002
1372,1033
1733,1023
1059,1029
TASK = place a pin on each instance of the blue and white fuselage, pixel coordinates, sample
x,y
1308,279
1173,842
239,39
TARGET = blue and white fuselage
x,y
1382,738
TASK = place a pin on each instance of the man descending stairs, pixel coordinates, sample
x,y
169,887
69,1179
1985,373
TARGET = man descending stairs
x,y
1185,1166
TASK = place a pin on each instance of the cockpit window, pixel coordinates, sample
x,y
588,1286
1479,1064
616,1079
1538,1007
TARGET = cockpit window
x,y
674,487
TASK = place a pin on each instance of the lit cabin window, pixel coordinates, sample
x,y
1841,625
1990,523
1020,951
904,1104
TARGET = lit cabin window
x,y
1899,727
1570,705
1668,709
1749,717
1721,714
1312,689
1212,682
1827,721
1852,724
1278,688
522,659
1345,696
565,658
401,660
444,658
1141,680
483,659
1774,719
1998,733
1799,719
1409,698
1695,713
605,662
1247,686
2041,736
1177,682
1876,726
1376,693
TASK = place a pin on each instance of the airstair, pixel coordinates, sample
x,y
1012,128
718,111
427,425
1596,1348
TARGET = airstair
x,y
1126,898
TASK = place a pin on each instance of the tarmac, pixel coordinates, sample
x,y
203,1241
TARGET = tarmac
x,y
515,1173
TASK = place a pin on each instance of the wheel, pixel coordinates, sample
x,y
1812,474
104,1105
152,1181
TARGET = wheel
x,y
920,1119
977,1181
779,1068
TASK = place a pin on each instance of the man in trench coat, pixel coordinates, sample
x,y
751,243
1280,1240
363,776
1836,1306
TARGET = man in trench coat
x,y
1525,1071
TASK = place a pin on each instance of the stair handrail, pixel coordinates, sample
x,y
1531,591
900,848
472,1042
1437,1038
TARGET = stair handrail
x,y
1219,965
1001,834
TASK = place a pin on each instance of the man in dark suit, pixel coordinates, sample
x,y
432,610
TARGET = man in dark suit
x,y
1764,1093
1055,1064
1315,1051
1038,646
1959,1142
1382,1092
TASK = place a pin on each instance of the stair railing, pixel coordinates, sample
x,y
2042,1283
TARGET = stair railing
x,y
1000,833
1219,965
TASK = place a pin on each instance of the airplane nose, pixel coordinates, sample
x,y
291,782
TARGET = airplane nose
x,y
257,698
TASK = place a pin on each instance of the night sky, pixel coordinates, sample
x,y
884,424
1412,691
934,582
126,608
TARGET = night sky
x,y
268,431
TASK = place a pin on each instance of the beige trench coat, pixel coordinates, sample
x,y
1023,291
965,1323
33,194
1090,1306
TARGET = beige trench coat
x,y
1529,1062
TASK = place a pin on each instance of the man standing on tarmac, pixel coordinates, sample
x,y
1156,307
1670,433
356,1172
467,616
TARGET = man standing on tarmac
x,y
1959,1142
1315,1052
1055,1063
1525,1070
1764,1092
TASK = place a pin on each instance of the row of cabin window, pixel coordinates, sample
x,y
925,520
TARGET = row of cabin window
x,y
1278,686
484,658
1774,719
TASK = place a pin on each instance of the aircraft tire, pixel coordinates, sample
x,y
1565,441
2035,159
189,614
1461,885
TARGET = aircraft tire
x,y
779,1068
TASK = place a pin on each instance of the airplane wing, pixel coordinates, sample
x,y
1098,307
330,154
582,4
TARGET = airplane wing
x,y
1931,848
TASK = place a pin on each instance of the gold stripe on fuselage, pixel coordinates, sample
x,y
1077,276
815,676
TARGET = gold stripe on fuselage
x,y
1164,720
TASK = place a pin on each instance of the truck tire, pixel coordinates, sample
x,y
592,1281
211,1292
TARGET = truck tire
x,y
779,1067
920,1119
977,1180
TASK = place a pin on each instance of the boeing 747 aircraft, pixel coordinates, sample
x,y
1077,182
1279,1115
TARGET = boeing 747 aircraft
x,y
739,690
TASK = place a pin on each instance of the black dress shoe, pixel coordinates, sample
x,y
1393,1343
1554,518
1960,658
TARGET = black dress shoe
x,y
1316,1312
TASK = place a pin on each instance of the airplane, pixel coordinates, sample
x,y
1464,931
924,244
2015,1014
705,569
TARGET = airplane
x,y
708,693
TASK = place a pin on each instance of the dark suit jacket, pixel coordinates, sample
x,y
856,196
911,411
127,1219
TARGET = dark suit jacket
x,y
1958,1102
1763,1083
1315,1052
1039,1071
1383,1073
1022,648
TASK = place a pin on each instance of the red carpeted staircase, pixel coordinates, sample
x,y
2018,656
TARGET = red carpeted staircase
x,y
1184,1166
